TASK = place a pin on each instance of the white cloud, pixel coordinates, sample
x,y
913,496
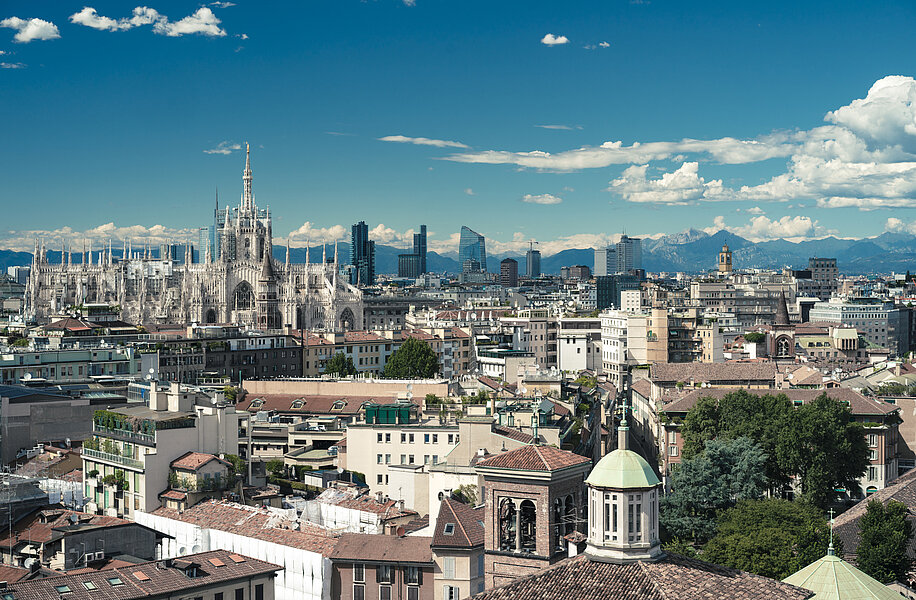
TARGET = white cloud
x,y
422,141
410,2
6,65
203,21
598,45
2,52
561,127
554,40
470,192
28,30
761,228
243,36
886,116
90,18
682,186
756,210
307,232
604,44
541,199
224,148
96,237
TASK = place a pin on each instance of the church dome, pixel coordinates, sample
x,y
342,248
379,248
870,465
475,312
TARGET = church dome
x,y
622,469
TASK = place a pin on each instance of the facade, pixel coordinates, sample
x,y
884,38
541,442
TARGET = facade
x,y
581,272
880,322
822,282
608,289
578,344
457,547
533,263
137,444
382,567
508,272
605,261
419,247
409,266
629,254
362,256
472,251
68,366
243,285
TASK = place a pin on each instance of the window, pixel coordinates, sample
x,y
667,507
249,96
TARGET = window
x,y
449,592
239,593
259,591
381,479
425,438
435,438
413,576
387,438
384,592
448,567
378,458
387,459
872,473
480,565
413,593
380,438
449,529
383,574
359,572
873,440
218,596
62,589
403,459
872,455
91,586
410,437
359,592
672,450
403,438
115,581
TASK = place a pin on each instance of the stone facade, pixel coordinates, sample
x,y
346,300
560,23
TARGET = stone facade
x,y
239,282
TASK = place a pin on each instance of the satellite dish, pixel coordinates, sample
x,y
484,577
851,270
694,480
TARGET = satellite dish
x,y
151,370
27,376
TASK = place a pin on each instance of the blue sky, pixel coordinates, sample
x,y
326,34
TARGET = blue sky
x,y
805,116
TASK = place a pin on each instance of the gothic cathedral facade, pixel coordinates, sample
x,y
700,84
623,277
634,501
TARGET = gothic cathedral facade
x,y
237,282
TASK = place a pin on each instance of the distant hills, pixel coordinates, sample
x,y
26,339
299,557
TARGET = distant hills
x,y
691,251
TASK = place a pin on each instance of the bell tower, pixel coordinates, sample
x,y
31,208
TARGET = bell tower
x,y
725,260
534,499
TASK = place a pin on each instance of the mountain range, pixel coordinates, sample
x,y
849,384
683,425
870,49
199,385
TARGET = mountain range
x,y
690,251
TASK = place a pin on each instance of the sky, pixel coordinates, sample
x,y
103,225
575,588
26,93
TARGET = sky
x,y
566,123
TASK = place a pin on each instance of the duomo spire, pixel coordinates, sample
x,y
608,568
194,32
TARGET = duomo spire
x,y
247,198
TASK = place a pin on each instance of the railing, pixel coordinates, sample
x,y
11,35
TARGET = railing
x,y
122,434
121,460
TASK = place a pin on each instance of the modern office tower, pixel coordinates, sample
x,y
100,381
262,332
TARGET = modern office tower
x,y
419,247
605,261
629,254
824,274
533,260
508,272
472,250
409,265
204,242
362,255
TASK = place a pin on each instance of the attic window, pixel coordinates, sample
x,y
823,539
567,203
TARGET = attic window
x,y
449,529
90,586
7,597
141,576
339,405
257,403
62,589
115,581
236,558
297,404
217,562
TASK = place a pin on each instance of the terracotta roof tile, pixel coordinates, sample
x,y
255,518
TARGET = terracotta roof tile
x,y
383,548
513,434
858,404
191,461
712,373
674,577
534,458
466,525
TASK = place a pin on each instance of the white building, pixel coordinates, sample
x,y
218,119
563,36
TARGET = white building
x,y
578,344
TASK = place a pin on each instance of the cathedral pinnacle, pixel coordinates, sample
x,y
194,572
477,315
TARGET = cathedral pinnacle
x,y
247,200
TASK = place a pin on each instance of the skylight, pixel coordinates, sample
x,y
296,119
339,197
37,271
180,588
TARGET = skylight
x,y
115,581
449,529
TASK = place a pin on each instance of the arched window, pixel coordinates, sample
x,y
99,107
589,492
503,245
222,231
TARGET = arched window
x,y
211,316
244,296
783,347
507,515
528,517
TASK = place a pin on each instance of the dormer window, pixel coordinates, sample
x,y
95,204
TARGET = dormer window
x,y
339,405
449,529
297,404
258,403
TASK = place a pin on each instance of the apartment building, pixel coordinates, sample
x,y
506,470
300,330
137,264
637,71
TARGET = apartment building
x,y
881,322
68,366
127,462
535,331
386,567
579,344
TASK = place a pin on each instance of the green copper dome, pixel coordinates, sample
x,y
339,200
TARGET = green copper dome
x,y
622,469
831,578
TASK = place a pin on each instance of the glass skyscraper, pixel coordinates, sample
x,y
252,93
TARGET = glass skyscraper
x,y
419,247
472,251
362,255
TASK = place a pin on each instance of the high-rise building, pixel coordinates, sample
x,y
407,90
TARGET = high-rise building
x,y
362,255
629,254
508,272
533,260
605,261
409,265
472,250
419,247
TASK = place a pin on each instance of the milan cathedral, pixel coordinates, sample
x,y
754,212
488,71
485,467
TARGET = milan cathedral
x,y
237,282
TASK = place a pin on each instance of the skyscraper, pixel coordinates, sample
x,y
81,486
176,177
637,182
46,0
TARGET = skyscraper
x,y
472,251
419,247
508,272
629,254
533,260
362,255
605,261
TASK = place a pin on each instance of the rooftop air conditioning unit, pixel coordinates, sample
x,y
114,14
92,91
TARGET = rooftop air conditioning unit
x,y
99,555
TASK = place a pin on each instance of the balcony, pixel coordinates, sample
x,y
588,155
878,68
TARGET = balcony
x,y
113,458
124,435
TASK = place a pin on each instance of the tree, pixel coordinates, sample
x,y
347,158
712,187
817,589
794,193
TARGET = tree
x,y
466,493
727,471
700,426
754,337
340,365
275,466
772,537
231,393
415,359
825,448
885,533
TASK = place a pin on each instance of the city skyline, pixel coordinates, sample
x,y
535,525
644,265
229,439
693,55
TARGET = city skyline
x,y
569,130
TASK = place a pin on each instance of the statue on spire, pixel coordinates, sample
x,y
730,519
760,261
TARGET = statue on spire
x,y
247,199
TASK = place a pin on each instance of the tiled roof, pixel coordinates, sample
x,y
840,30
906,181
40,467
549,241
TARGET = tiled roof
x,y
466,529
191,461
364,503
858,404
513,434
74,475
674,577
846,525
383,548
12,574
643,387
33,529
364,336
712,373
534,458
173,495
146,579
253,522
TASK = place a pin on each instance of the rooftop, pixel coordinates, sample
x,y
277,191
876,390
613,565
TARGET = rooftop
x,y
858,404
534,458
831,578
458,525
709,372
366,547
